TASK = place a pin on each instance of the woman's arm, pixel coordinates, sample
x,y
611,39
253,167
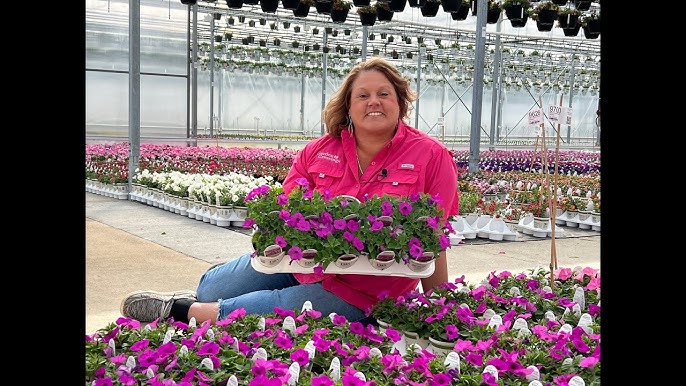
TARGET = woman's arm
x,y
440,274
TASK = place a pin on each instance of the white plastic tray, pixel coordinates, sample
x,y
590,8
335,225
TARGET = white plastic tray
x,y
361,266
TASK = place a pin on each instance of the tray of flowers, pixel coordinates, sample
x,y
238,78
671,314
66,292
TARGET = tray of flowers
x,y
307,231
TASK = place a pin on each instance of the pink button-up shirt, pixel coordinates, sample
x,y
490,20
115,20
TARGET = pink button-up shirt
x,y
411,162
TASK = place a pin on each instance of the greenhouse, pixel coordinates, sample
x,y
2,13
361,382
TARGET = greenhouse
x,y
213,69
343,192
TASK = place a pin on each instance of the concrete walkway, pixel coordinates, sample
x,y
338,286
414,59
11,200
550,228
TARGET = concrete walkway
x,y
132,246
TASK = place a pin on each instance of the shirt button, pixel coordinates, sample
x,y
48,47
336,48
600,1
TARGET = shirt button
x,y
373,163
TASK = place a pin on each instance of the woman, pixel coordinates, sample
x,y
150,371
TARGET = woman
x,y
368,150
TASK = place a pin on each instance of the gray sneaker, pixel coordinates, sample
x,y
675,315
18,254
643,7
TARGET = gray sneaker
x,y
146,306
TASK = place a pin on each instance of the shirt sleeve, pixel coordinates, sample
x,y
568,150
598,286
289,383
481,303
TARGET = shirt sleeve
x,y
298,170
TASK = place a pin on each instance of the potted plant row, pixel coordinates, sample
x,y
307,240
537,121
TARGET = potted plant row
x,y
534,330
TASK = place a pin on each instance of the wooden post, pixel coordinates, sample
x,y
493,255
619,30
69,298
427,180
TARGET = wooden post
x,y
553,251
533,154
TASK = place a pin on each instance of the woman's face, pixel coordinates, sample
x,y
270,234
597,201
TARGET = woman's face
x,y
373,102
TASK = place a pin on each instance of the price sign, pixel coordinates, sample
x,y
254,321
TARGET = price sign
x,y
535,117
560,114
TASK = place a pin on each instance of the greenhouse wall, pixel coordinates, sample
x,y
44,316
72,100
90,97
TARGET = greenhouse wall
x,y
254,101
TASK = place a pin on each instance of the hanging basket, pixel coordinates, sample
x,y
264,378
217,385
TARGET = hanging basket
x,y
567,20
519,23
589,33
451,6
461,13
339,15
492,15
302,11
382,14
397,5
547,16
572,31
290,4
323,7
430,9
368,19
543,27
514,11
234,4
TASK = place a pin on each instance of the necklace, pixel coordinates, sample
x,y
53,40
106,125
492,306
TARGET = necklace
x,y
359,166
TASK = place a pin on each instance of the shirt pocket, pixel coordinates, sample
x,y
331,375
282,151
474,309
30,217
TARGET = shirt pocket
x,y
324,175
400,182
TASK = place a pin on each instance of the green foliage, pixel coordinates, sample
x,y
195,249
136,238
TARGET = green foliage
x,y
366,9
341,4
524,3
468,202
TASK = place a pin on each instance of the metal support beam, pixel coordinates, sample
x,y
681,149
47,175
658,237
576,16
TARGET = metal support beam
x,y
418,87
194,77
478,86
324,72
134,88
496,86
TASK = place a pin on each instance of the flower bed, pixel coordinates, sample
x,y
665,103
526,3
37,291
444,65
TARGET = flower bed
x,y
508,330
511,176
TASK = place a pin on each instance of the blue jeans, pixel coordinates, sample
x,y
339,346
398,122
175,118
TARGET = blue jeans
x,y
236,284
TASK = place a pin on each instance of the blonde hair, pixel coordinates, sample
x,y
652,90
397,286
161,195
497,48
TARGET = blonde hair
x,y
335,114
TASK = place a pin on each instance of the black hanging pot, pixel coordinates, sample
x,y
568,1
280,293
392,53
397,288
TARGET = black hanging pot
x,y
451,6
547,16
397,5
382,14
302,11
339,15
593,25
461,13
543,27
519,23
572,31
430,9
323,7
368,19
492,15
514,12
290,4
590,34
269,6
567,20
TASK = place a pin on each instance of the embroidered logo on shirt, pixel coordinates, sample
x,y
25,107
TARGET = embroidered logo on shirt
x,y
407,166
329,156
